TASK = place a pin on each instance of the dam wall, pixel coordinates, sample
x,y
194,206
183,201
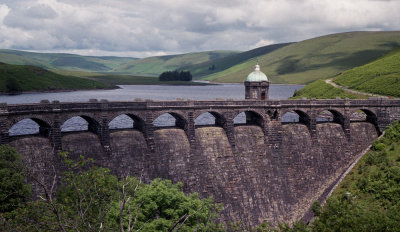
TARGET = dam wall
x,y
264,169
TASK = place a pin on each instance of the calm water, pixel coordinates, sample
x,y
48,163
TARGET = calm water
x,y
132,92
154,92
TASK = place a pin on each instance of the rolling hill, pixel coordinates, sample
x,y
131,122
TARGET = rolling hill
x,y
151,66
156,65
217,65
317,58
381,76
17,78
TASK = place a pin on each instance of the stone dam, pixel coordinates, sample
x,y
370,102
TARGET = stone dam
x,y
262,170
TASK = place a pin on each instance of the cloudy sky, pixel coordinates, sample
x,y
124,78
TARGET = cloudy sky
x,y
141,28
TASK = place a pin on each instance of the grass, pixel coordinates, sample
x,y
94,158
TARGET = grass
x,y
381,76
31,78
321,90
317,58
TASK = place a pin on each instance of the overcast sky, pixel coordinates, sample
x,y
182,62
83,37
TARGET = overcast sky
x,y
141,28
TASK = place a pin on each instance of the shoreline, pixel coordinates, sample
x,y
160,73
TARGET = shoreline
x,y
56,91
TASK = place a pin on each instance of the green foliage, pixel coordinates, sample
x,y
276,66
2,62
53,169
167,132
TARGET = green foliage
x,y
321,90
316,208
342,214
12,85
175,76
30,78
92,199
313,59
14,192
381,76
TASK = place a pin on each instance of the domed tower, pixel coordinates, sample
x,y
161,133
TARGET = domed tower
x,y
256,85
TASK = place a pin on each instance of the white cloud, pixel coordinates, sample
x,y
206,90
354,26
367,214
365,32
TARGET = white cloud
x,y
154,27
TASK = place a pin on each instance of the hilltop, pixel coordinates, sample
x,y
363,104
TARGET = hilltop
x,y
17,78
317,58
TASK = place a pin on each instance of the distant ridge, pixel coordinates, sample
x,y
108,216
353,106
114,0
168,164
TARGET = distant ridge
x,y
152,66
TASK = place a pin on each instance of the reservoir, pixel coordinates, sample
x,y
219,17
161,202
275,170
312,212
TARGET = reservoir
x,y
153,92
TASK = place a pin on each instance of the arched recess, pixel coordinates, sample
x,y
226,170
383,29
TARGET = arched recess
x,y
124,121
364,115
330,115
81,123
170,119
249,118
30,126
209,118
296,116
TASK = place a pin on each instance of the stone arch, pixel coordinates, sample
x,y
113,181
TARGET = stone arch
x,y
43,127
299,116
333,116
93,125
252,118
218,118
368,116
137,122
180,121
273,114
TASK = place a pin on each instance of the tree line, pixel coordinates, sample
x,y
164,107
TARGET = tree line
x,y
175,76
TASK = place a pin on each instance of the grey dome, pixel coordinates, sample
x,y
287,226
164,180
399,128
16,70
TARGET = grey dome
x,y
256,75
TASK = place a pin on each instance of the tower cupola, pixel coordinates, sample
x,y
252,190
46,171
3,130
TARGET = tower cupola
x,y
256,85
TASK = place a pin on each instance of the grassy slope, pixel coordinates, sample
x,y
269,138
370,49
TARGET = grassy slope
x,y
381,76
202,69
156,65
321,90
317,58
31,78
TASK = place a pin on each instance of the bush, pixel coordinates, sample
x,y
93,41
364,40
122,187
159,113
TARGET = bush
x,y
13,190
12,85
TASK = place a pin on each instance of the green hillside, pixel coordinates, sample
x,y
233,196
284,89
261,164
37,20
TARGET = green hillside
x,y
217,65
321,90
16,78
156,65
381,76
317,58
118,65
